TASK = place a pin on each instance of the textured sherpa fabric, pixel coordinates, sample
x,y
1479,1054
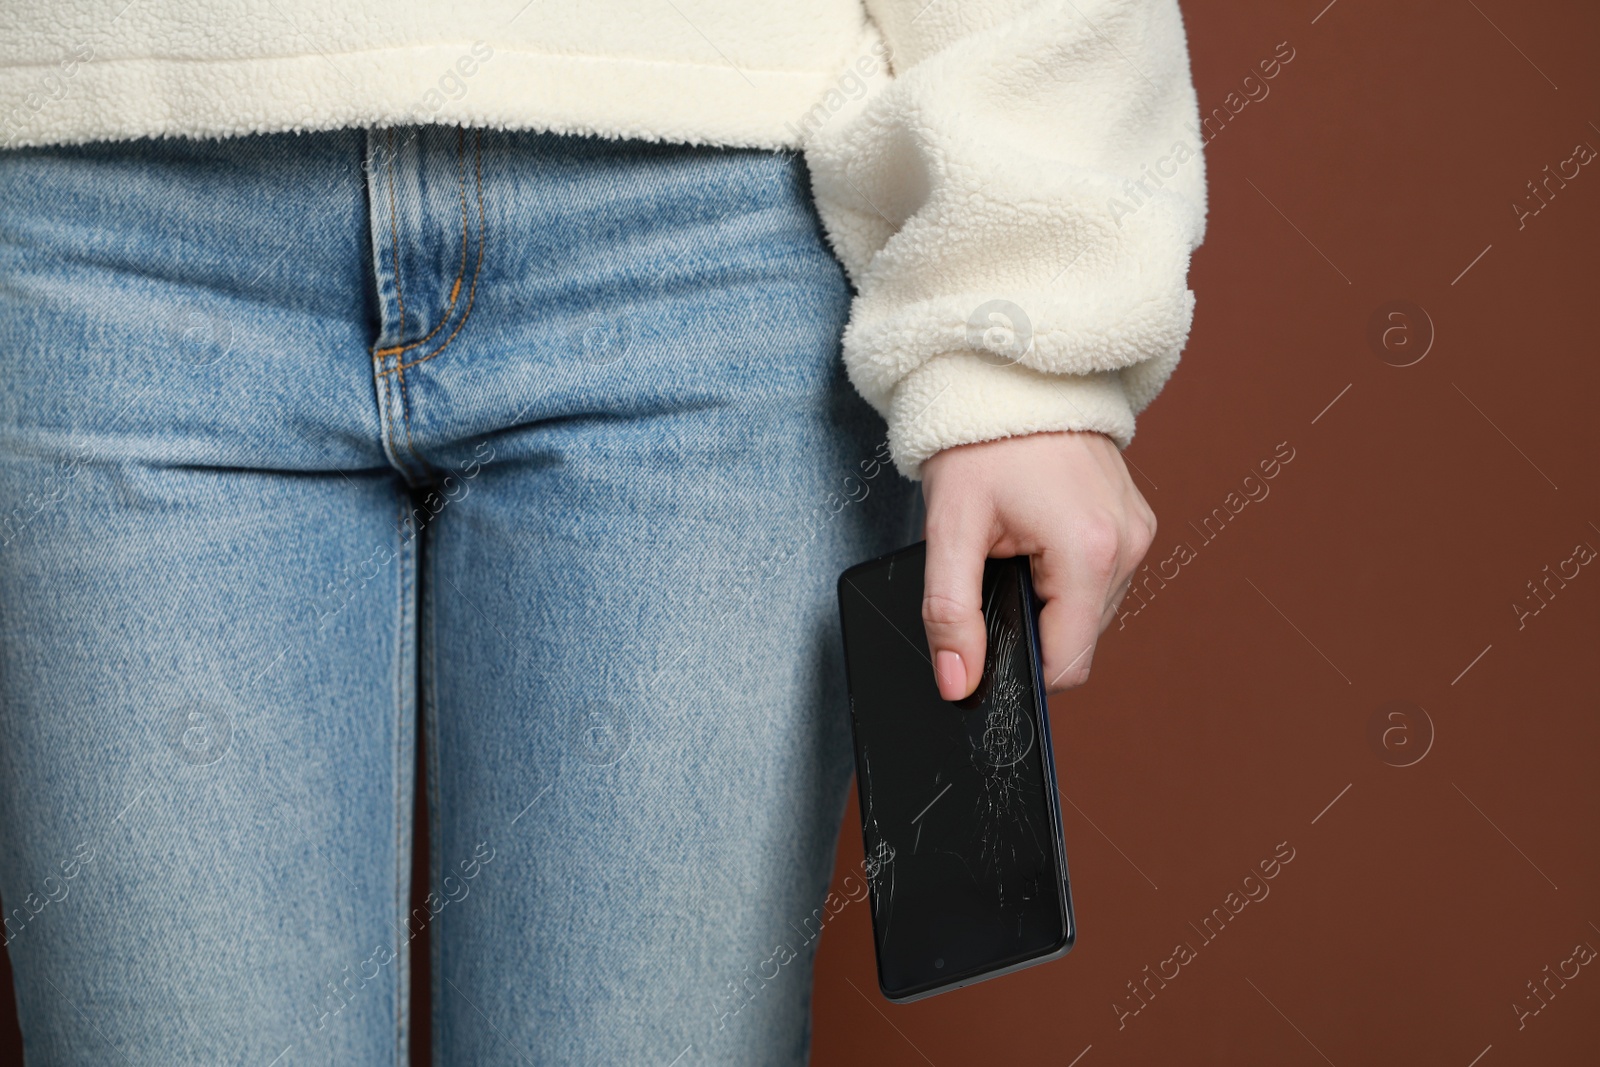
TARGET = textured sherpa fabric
x,y
1016,207
697,71
1014,186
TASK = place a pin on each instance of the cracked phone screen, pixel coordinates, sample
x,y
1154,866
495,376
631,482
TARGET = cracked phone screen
x,y
965,864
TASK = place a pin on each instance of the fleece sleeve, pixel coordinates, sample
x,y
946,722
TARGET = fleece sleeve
x,y
1015,195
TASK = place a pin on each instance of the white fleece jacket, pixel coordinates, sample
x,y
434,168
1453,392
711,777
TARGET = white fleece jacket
x,y
1014,186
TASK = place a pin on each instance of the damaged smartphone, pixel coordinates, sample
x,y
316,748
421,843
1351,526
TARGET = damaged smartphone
x,y
965,863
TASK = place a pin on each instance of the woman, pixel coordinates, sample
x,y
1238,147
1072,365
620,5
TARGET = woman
x,y
375,368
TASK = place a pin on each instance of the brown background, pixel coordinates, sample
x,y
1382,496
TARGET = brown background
x,y
1396,541
1228,714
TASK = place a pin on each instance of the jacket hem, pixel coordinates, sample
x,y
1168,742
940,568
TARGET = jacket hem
x,y
615,97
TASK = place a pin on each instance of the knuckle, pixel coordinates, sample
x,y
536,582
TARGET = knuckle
x,y
1141,537
1146,517
1099,542
941,609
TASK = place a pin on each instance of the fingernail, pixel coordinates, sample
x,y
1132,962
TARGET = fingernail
x,y
952,674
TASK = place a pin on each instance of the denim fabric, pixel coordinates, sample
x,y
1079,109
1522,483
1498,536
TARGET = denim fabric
x,y
541,441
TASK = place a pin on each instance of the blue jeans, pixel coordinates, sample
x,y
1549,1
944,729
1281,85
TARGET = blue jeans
x,y
541,442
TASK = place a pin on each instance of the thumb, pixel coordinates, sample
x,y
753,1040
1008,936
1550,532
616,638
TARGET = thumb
x,y
952,607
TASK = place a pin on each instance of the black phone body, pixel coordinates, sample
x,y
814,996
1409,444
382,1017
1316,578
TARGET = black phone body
x,y
966,867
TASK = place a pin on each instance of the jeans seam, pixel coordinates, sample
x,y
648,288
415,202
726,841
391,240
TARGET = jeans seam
x,y
389,434
477,269
405,416
404,838
430,726
461,269
394,232
394,235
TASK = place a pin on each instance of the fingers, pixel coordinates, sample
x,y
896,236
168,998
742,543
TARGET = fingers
x,y
1076,579
952,604
1064,499
1082,580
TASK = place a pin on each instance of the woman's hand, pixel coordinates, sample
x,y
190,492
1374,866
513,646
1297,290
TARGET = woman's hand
x,y
1064,499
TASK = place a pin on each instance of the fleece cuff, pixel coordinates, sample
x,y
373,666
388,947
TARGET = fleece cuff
x,y
961,399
